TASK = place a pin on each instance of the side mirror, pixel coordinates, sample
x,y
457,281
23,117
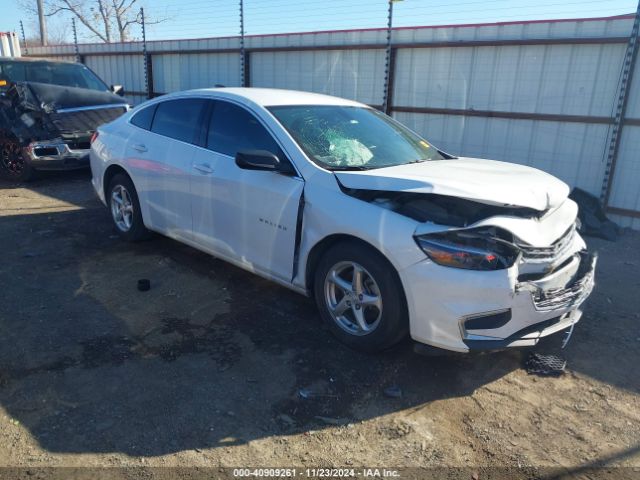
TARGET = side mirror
x,y
117,89
258,160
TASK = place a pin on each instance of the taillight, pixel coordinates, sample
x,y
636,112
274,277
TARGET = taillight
x,y
94,136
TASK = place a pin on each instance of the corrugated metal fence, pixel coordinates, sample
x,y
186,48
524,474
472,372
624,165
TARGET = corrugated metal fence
x,y
538,93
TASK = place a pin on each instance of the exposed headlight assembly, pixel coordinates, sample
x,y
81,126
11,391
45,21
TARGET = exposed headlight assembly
x,y
475,249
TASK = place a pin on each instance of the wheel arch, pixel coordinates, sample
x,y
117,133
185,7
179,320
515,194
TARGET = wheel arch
x,y
322,246
111,171
400,323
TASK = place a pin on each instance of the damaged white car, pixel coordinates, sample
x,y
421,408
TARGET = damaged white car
x,y
336,200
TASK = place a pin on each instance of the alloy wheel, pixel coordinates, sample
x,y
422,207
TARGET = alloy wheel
x,y
121,208
353,298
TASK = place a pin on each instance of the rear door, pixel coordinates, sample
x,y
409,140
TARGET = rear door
x,y
167,153
142,154
246,215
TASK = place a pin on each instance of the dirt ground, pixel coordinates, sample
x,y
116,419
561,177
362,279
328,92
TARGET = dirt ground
x,y
211,367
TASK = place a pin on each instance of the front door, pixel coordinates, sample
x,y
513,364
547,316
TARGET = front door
x,y
247,215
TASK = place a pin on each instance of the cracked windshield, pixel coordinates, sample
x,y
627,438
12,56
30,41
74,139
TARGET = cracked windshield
x,y
353,138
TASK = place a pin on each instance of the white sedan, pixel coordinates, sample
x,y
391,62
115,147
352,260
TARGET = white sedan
x,y
331,198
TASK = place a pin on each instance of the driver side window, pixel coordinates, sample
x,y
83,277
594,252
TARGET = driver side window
x,y
232,128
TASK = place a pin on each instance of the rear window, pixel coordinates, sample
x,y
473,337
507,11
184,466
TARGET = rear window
x,y
144,117
179,119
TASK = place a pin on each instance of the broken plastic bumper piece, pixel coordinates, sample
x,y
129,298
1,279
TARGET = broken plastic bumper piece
x,y
572,294
562,302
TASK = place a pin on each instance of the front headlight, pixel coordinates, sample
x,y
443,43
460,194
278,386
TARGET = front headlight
x,y
481,249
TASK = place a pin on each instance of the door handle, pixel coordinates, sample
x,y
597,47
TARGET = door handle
x,y
139,147
204,168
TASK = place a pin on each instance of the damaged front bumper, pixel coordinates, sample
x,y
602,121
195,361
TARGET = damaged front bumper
x,y
56,155
467,310
558,296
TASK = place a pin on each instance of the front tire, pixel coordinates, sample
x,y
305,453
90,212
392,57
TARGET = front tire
x,y
124,207
360,297
14,164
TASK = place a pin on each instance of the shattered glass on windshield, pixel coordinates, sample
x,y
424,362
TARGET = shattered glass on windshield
x,y
345,138
346,151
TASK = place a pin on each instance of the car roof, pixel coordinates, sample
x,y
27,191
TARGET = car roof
x,y
269,97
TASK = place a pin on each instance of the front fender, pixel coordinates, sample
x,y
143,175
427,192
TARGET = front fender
x,y
328,211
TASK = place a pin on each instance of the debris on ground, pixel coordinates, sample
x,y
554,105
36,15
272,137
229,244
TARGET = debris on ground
x,y
332,421
594,221
4,377
393,391
144,284
545,365
305,393
286,419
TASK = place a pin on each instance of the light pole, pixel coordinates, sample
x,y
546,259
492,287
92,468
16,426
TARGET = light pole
x,y
43,24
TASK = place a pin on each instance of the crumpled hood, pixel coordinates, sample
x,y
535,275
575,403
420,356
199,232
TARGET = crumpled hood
x,y
485,181
34,111
55,97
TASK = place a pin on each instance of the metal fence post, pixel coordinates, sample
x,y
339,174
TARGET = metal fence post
x,y
626,76
148,66
247,69
389,66
244,80
75,41
24,39
388,107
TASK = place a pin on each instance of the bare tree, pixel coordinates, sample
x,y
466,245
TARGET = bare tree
x,y
57,33
107,20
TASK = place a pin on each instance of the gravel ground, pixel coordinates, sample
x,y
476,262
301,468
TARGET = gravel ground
x,y
208,367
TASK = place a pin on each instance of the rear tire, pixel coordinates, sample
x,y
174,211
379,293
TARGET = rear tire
x,y
14,164
124,207
360,297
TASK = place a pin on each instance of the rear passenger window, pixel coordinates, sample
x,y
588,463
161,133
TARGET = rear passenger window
x,y
144,117
232,128
179,119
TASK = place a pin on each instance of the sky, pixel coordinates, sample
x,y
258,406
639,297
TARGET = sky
x,y
212,18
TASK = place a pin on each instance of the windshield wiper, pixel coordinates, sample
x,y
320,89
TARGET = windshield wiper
x,y
346,168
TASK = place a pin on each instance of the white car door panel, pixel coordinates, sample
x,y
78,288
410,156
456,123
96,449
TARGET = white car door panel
x,y
164,157
138,164
209,198
247,215
168,192
269,212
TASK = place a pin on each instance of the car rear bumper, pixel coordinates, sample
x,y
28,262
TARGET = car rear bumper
x,y
56,155
463,310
